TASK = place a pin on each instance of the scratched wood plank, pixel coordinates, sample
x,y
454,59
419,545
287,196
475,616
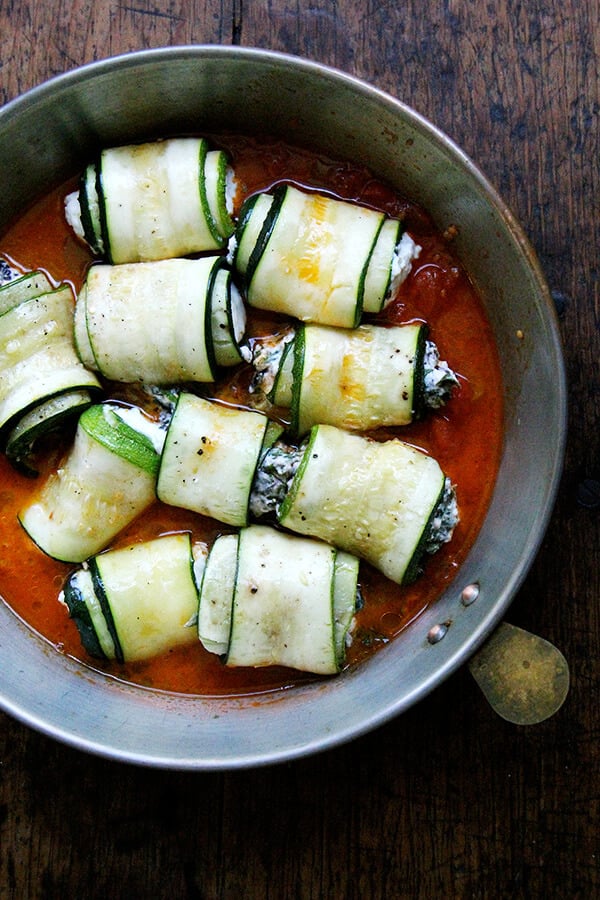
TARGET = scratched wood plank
x,y
448,801
39,40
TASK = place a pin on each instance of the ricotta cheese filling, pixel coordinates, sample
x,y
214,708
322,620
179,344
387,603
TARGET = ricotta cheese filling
x,y
231,187
266,356
438,378
273,478
404,255
238,314
73,216
444,520
140,422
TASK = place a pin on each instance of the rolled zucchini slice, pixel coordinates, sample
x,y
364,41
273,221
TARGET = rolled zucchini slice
x,y
38,361
136,602
106,481
358,379
318,258
156,200
269,598
23,440
210,457
162,322
216,588
23,287
385,502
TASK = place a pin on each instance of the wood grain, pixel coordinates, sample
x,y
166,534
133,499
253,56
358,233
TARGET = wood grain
x,y
448,800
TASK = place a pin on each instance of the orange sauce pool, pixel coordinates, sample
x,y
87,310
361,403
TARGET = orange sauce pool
x,y
465,436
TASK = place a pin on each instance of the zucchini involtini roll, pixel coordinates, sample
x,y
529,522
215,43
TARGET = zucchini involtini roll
x,y
318,258
358,379
210,457
135,602
42,380
23,287
387,503
162,322
154,201
107,479
44,419
268,598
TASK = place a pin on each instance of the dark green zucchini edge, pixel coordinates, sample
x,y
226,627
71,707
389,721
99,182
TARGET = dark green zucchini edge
x,y
299,346
102,212
105,607
80,614
415,566
204,204
289,348
220,263
84,206
11,423
244,216
265,232
418,404
400,231
306,446
20,451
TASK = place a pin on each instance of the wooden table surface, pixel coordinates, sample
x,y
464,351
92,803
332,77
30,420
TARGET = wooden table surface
x,y
449,800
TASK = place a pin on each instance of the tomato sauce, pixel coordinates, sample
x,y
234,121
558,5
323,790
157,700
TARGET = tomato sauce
x,y
465,436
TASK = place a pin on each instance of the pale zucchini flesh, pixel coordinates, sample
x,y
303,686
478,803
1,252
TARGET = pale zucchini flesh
x,y
154,201
252,220
25,287
148,596
313,263
149,322
345,592
216,594
84,608
107,479
283,609
374,500
210,456
39,422
357,379
81,335
378,277
37,355
217,183
228,319
282,392
89,226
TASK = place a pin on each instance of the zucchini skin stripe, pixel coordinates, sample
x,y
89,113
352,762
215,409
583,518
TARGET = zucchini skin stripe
x,y
102,212
316,257
358,379
208,335
105,607
374,500
84,205
419,374
266,231
155,200
80,614
415,565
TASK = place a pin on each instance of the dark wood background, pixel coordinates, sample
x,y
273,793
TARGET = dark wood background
x,y
448,800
